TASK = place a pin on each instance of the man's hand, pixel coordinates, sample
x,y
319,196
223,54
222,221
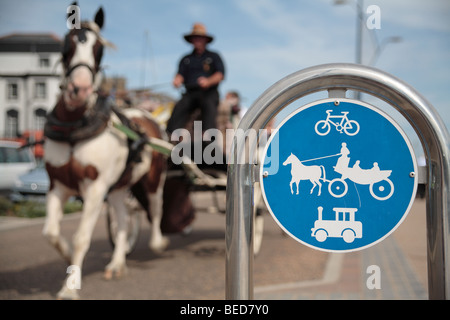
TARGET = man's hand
x,y
213,80
178,81
203,82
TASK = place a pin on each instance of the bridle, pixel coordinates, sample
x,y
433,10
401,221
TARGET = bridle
x,y
69,49
72,123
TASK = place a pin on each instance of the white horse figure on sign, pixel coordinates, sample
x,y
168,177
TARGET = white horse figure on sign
x,y
302,172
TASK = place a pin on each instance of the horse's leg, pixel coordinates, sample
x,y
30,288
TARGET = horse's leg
x,y
158,242
292,190
55,201
297,183
93,201
320,186
314,185
117,266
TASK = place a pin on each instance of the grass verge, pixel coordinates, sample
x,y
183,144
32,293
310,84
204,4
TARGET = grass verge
x,y
32,209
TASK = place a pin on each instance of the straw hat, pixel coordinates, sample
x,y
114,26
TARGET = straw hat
x,y
198,30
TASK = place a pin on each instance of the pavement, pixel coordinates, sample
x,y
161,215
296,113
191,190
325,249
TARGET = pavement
x,y
287,270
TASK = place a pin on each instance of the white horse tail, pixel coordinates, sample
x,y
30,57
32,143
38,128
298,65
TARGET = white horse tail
x,y
323,169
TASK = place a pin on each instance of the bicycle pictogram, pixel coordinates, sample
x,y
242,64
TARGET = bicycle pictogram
x,y
350,127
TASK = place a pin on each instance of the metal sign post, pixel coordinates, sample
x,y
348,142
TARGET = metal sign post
x,y
337,79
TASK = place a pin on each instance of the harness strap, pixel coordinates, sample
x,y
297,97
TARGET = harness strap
x,y
195,175
135,144
90,125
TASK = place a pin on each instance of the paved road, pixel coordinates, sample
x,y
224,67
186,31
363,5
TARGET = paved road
x,y
193,267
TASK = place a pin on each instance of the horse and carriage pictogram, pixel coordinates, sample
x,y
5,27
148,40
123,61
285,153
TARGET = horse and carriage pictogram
x,y
380,186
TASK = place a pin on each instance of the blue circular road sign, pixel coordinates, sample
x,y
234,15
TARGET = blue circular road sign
x,y
339,175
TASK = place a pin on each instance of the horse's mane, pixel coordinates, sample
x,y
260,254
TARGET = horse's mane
x,y
91,25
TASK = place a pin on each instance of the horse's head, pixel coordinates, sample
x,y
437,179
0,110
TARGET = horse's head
x,y
289,159
81,57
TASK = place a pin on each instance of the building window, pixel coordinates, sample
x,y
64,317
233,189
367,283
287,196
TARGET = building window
x,y
40,90
12,123
13,91
44,62
39,118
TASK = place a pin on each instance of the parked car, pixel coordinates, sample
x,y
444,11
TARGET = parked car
x,y
14,162
33,183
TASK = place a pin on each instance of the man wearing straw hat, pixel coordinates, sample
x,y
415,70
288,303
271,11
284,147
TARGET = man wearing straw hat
x,y
200,72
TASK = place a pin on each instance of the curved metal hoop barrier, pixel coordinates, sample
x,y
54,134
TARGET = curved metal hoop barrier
x,y
337,79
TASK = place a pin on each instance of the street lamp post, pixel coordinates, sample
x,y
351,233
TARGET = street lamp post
x,y
381,47
359,37
359,30
359,27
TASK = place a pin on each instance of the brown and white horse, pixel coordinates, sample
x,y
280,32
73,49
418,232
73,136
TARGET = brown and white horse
x,y
95,163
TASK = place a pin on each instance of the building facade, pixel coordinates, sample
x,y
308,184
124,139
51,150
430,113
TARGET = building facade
x,y
30,75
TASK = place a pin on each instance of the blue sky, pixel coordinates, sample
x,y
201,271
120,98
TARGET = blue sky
x,y
261,41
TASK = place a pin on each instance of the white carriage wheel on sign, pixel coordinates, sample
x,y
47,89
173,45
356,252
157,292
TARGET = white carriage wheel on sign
x,y
338,188
380,187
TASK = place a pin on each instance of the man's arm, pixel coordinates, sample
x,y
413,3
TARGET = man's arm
x,y
210,81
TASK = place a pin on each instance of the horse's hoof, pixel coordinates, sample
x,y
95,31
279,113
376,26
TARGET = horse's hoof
x,y
108,275
115,273
160,246
67,294
187,230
